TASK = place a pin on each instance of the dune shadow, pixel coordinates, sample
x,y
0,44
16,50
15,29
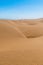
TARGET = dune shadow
x,y
32,24
41,21
34,36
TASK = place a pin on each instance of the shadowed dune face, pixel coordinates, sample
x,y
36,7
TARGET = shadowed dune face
x,y
32,31
30,28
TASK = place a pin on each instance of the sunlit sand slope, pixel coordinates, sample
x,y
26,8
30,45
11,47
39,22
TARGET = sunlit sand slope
x,y
21,42
9,30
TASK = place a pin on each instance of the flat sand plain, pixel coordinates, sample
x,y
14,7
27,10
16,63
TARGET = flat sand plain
x,y
21,42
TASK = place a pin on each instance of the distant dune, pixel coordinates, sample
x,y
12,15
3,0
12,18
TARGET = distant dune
x,y
21,42
30,28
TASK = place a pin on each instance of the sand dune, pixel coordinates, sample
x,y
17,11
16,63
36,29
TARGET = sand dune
x,y
9,30
30,28
21,42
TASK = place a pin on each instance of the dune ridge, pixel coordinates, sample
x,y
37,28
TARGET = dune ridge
x,y
16,28
8,29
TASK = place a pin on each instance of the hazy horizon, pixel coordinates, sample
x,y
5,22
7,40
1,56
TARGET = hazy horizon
x,y
21,9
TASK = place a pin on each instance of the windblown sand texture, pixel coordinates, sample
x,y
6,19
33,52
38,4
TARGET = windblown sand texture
x,y
21,42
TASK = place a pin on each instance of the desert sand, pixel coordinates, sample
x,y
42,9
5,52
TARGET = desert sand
x,y
21,42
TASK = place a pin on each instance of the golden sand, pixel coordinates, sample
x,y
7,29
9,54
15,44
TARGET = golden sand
x,y
21,42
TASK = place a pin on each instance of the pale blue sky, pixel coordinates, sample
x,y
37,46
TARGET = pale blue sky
x,y
21,9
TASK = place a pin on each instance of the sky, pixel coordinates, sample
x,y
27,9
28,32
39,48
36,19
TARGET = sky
x,y
21,9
